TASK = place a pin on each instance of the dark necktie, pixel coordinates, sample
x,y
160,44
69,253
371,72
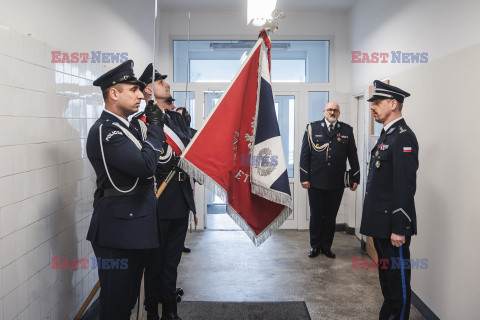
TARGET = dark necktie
x,y
382,133
330,127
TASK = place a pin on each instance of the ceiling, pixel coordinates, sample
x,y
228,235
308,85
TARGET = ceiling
x,y
288,5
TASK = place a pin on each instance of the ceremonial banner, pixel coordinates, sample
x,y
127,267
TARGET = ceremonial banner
x,y
238,152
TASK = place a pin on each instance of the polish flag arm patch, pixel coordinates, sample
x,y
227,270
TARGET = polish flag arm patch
x,y
407,149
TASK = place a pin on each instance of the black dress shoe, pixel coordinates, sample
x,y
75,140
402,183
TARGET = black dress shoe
x,y
328,253
314,253
186,249
179,291
179,298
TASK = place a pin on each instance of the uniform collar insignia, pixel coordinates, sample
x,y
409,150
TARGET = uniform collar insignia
x,y
390,131
323,124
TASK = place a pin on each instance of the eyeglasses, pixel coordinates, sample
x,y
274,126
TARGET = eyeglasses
x,y
332,110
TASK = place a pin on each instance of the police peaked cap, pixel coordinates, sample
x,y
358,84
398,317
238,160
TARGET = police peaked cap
x,y
120,74
386,91
146,76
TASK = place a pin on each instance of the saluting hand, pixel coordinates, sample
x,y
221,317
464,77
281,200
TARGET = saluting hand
x,y
306,184
153,114
355,185
397,240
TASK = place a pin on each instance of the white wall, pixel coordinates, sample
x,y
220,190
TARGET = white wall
x,y
46,181
443,90
439,27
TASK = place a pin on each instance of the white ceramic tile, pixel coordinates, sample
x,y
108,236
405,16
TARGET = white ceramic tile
x,y
39,55
34,309
1,283
5,71
19,158
10,306
6,191
32,236
34,211
22,270
21,242
8,220
32,181
7,167
10,278
20,186
16,45
44,279
8,249
48,58
24,315
43,234
4,40
28,49
22,297
6,99
18,105
32,258
33,288
44,303
19,71
59,86
43,205
22,215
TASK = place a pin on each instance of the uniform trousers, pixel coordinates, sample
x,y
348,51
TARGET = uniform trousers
x,y
120,274
324,206
161,263
394,279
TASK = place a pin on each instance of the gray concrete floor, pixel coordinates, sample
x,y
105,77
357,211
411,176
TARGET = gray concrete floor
x,y
226,266
221,222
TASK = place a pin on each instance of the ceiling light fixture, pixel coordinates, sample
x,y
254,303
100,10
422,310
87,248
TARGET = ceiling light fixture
x,y
259,12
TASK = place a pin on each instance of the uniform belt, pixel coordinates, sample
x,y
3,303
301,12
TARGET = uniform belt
x,y
141,189
180,176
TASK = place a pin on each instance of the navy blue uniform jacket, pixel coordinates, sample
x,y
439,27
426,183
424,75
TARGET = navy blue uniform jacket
x,y
130,221
177,199
325,169
389,205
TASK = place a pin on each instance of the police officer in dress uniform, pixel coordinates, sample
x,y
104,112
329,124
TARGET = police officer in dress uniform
x,y
174,206
389,208
124,220
326,146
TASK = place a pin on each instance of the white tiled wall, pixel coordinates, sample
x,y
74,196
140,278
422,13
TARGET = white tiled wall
x,y
46,181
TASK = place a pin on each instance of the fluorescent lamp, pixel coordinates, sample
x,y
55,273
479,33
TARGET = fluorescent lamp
x,y
260,11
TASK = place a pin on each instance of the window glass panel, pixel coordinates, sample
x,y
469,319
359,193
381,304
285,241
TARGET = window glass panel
x,y
316,103
210,98
179,97
219,61
285,109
